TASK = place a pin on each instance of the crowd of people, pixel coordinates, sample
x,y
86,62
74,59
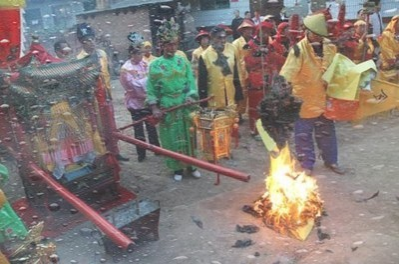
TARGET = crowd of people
x,y
233,68
237,66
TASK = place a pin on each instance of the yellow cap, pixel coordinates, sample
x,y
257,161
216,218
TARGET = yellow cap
x,y
147,44
317,24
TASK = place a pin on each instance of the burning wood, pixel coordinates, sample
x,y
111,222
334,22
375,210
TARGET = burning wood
x,y
291,203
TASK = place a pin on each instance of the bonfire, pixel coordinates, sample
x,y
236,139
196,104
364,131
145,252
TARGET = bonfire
x,y
291,203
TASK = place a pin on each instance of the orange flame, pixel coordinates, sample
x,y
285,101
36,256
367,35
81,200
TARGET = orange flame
x,y
292,202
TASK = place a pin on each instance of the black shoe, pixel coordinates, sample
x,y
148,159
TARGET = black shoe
x,y
119,157
335,168
141,158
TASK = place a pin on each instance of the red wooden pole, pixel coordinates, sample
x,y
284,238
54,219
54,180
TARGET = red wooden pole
x,y
111,231
171,109
184,158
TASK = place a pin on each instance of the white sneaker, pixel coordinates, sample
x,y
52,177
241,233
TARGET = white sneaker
x,y
196,174
178,177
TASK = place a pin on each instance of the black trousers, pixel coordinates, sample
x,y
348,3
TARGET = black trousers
x,y
152,134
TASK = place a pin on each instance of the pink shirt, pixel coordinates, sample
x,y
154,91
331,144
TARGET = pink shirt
x,y
134,80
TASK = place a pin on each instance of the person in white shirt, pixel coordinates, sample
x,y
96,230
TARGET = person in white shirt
x,y
257,19
376,20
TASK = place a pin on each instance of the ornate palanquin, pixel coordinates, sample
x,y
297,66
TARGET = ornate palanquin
x,y
215,128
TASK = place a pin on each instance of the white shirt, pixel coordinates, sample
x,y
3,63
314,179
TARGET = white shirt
x,y
376,22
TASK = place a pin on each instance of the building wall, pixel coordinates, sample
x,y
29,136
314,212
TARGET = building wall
x,y
113,27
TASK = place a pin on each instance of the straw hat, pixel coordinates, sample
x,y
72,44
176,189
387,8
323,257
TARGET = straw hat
x,y
202,33
246,24
317,24
227,29
269,17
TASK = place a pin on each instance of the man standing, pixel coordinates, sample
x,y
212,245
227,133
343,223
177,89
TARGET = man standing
x,y
376,20
235,23
86,35
218,72
203,39
304,68
364,49
62,49
389,56
246,29
171,83
263,64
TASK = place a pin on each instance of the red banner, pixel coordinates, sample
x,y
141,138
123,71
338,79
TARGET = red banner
x,y
10,36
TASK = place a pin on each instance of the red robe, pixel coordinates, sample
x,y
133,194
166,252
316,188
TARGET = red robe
x,y
262,68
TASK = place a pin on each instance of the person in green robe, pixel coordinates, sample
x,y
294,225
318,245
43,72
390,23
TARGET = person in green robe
x,y
171,83
11,226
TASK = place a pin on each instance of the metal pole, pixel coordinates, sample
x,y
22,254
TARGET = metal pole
x,y
184,158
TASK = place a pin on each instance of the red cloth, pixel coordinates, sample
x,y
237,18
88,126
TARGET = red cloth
x,y
254,98
272,63
10,36
38,52
349,48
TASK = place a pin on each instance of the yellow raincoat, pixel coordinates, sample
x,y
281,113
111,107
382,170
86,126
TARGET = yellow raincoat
x,y
389,52
242,53
212,80
305,73
181,53
149,58
104,67
194,59
358,51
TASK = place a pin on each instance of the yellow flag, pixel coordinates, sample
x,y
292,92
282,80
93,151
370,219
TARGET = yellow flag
x,y
270,144
383,96
345,78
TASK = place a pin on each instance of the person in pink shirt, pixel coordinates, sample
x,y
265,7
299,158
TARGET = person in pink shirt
x,y
133,78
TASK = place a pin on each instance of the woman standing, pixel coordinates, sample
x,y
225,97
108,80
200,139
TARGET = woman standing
x,y
134,80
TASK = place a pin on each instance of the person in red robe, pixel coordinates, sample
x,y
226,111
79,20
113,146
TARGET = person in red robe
x,y
263,64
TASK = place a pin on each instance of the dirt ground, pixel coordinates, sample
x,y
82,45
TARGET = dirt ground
x,y
361,232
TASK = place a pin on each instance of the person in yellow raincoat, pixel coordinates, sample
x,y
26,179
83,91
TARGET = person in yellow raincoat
x,y
218,72
365,48
304,68
246,30
147,52
86,36
389,56
203,39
